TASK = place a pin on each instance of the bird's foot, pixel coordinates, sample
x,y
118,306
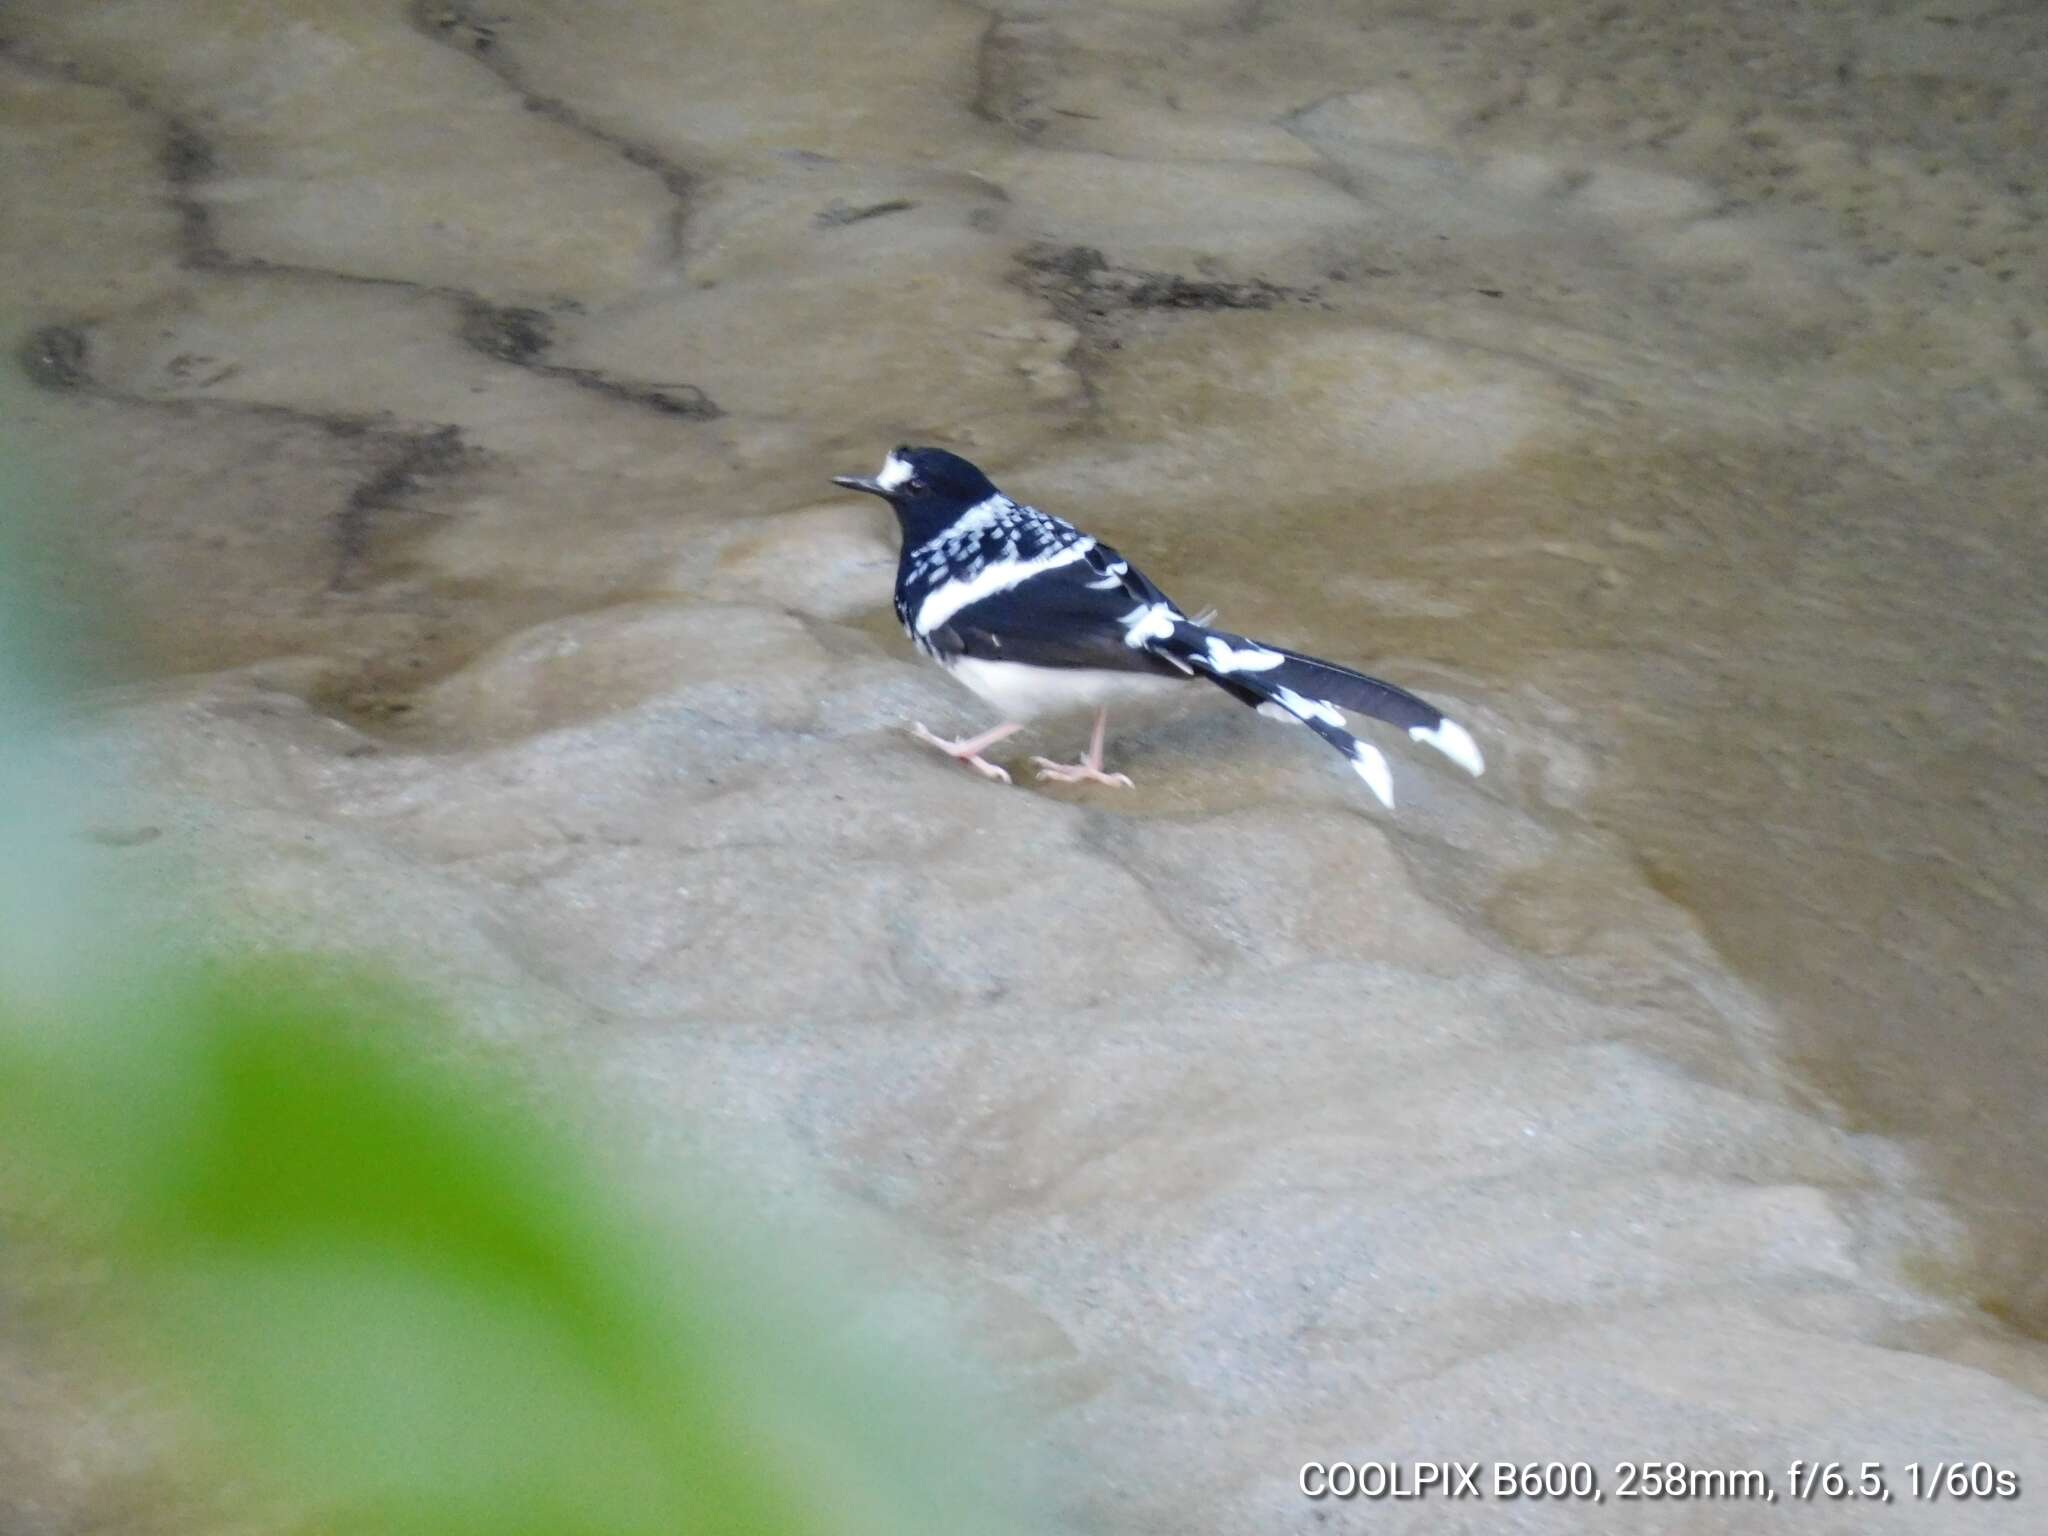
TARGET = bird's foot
x,y
969,750
1089,769
1083,772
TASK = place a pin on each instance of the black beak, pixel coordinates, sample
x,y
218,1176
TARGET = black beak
x,y
860,483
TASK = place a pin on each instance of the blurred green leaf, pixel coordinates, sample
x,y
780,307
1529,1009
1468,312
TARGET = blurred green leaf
x,y
419,1309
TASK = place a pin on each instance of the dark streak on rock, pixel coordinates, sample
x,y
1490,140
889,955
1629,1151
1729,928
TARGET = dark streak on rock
x,y
460,26
684,400
1085,288
1087,291
185,155
188,159
511,335
54,357
836,214
1019,65
522,336
983,102
419,456
1169,290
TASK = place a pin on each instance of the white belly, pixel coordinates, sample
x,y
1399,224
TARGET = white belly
x,y
1025,693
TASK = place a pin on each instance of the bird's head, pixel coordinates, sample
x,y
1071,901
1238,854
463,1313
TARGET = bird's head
x,y
926,486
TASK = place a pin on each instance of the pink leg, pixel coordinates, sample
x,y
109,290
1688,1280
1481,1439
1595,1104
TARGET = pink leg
x,y
1089,769
969,751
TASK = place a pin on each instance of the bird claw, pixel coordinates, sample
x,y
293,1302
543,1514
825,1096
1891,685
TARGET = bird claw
x,y
966,752
1079,773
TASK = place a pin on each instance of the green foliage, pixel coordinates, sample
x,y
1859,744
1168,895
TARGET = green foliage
x,y
413,1306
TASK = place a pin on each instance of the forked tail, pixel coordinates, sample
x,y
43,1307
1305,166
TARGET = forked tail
x,y
1284,685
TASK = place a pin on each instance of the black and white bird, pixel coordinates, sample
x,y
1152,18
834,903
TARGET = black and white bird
x,y
1037,617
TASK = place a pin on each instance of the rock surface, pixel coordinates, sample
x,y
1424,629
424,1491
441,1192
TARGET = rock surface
x,y
447,397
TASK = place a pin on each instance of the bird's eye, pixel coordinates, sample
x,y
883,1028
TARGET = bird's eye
x,y
914,485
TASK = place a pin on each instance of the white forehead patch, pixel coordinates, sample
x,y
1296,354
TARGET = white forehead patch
x,y
895,470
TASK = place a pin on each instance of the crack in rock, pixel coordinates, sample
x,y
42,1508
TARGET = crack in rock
x,y
57,357
1083,286
1087,291
54,356
837,213
421,456
463,29
188,160
520,336
509,333
995,37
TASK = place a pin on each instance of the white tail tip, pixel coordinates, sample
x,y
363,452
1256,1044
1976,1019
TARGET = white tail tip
x,y
1370,766
1455,742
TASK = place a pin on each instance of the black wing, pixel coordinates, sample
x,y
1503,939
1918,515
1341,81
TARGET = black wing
x,y
1076,615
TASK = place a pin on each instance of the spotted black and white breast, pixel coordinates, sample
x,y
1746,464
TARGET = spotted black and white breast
x,y
992,536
